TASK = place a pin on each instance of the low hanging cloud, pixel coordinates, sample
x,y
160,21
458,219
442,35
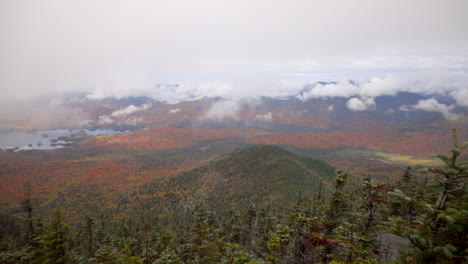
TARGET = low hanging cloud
x,y
174,110
105,120
229,109
338,89
169,93
432,105
187,91
360,104
130,109
451,83
120,117
264,117
131,121
442,82
225,109
460,96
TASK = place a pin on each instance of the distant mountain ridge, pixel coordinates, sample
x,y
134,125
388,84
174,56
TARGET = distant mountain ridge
x,y
311,107
290,111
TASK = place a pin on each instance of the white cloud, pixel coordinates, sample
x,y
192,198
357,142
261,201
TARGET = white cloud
x,y
340,89
264,117
120,116
427,81
460,95
105,120
189,91
174,110
283,88
229,109
405,108
169,93
442,82
357,104
225,109
432,105
130,109
132,121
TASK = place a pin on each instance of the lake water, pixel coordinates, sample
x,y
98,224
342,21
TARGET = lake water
x,y
44,139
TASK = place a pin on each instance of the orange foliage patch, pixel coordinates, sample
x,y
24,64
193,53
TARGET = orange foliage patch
x,y
99,161
52,173
165,138
414,143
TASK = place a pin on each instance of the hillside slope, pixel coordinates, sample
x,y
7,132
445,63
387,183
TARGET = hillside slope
x,y
258,173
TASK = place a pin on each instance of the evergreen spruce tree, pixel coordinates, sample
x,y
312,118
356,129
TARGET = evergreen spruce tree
x,y
441,236
89,233
55,241
26,206
338,201
373,197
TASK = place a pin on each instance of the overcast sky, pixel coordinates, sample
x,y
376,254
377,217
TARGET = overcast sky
x,y
120,48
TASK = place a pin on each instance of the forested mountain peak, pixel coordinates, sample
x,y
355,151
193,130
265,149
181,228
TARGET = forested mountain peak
x,y
259,173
